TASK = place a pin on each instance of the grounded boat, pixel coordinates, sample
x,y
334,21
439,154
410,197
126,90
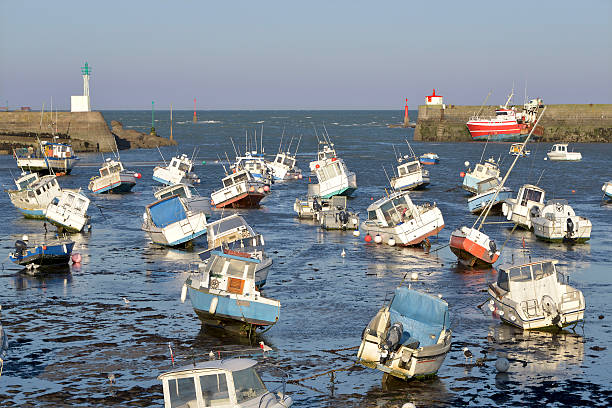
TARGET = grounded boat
x,y
51,158
507,125
410,175
178,171
337,216
4,344
557,222
535,296
240,190
232,233
400,222
473,248
42,254
333,175
193,201
229,383
516,149
283,167
429,158
223,293
307,208
170,223
528,204
607,189
482,171
113,178
34,194
559,152
256,165
408,338
487,193
68,212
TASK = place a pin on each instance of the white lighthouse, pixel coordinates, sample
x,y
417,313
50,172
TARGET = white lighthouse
x,y
433,99
80,103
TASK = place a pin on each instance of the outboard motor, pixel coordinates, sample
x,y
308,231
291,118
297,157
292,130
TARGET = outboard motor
x,y
492,247
316,205
343,217
534,211
20,247
570,228
394,335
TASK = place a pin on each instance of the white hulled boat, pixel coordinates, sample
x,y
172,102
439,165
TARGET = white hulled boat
x,y
178,171
557,222
113,178
488,193
51,158
398,221
410,175
283,167
607,189
535,295
255,164
338,216
516,149
333,175
169,222
482,171
528,203
559,152
240,190
68,212
188,193
309,207
34,194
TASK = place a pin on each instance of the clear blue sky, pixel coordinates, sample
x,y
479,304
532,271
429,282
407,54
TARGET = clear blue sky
x,y
303,55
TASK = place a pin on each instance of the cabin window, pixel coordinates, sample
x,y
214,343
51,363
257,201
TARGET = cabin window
x,y
402,171
502,113
214,389
164,195
531,195
39,191
413,168
520,274
248,384
173,163
492,172
539,272
279,159
289,162
502,280
182,392
548,268
240,178
115,169
184,167
80,203
479,168
235,268
372,215
227,182
180,192
69,200
104,172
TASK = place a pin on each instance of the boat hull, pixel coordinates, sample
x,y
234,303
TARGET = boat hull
x,y
58,166
471,253
346,191
122,184
479,202
244,200
45,255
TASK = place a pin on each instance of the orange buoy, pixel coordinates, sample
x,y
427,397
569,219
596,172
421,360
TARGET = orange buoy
x,y
368,238
462,174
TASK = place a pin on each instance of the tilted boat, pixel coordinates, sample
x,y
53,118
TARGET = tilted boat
x,y
193,201
408,338
223,293
228,383
528,203
410,175
34,194
68,212
482,171
283,167
240,190
559,152
338,216
4,344
308,207
429,158
256,165
178,171
473,247
50,158
332,173
54,253
487,193
557,222
535,295
170,223
398,221
607,189
113,178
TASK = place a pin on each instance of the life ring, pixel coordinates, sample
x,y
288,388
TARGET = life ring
x,y
214,284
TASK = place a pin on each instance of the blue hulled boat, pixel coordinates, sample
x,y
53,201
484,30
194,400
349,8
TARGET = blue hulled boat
x,y
42,254
487,190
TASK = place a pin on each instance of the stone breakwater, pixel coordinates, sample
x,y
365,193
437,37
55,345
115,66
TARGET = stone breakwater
x,y
86,131
590,123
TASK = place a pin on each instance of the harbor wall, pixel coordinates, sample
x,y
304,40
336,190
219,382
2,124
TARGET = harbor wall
x,y
591,123
86,131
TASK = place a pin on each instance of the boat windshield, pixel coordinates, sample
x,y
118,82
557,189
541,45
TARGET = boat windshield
x,y
502,280
396,211
408,169
26,181
288,162
328,172
182,392
531,195
487,185
214,390
520,273
372,215
115,168
248,384
543,270
228,224
184,167
179,191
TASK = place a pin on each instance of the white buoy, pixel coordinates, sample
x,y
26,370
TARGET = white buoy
x,y
354,221
491,307
501,313
356,233
414,276
183,293
391,242
467,163
213,305
502,364
343,253
513,317
546,158
24,238
378,239
409,405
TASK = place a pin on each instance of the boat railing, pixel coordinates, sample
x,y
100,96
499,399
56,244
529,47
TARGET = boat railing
x,y
530,307
275,390
570,300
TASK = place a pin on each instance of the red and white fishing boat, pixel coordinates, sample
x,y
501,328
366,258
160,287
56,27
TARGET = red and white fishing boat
x,y
473,247
508,124
240,190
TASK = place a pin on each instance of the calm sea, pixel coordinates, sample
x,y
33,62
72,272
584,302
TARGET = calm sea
x,y
69,331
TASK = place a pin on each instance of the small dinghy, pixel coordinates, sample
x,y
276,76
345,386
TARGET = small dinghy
x,y
535,296
57,253
487,190
283,167
307,208
516,149
338,216
429,158
408,338
193,201
607,189
178,171
170,223
333,174
528,203
559,152
473,247
398,221
69,212
223,293
557,222
51,158
34,194
228,383
113,179
240,190
482,171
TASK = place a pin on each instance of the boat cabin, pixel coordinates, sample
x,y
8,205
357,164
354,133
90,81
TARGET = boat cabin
x,y
530,193
216,383
328,171
486,170
392,210
72,201
517,149
26,180
412,167
110,167
182,163
285,160
44,189
328,152
182,190
505,114
238,177
559,148
228,229
514,277
57,150
487,185
234,274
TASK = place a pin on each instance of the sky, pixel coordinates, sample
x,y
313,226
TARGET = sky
x,y
303,55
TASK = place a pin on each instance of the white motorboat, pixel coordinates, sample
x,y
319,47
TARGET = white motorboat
x,y
535,295
338,216
169,222
398,221
283,167
240,190
408,338
256,165
227,383
178,171
410,175
332,173
188,193
516,149
559,152
482,171
68,212
607,189
34,193
113,178
51,158
557,222
527,204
